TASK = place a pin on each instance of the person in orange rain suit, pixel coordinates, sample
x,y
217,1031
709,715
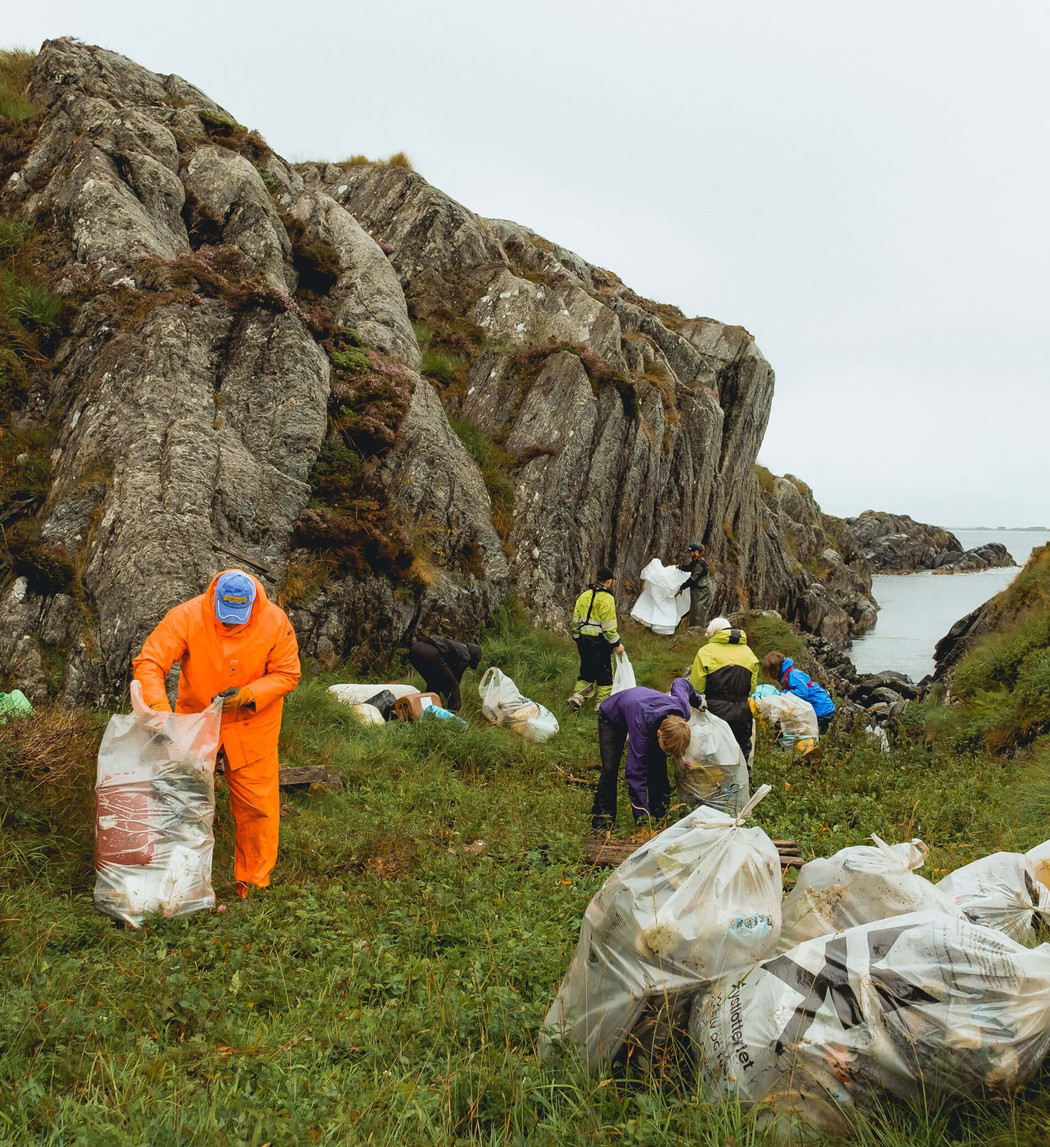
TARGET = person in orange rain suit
x,y
232,640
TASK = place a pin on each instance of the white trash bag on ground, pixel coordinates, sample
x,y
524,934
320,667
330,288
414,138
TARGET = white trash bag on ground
x,y
623,674
1037,860
359,694
920,1007
713,770
858,886
503,704
657,607
1000,892
697,902
155,804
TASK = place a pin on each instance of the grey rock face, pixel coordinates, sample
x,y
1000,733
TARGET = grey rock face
x,y
189,428
367,295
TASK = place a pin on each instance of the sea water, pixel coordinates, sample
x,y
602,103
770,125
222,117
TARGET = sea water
x,y
917,610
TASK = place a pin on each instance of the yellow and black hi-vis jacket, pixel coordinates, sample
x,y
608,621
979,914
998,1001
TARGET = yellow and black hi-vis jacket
x,y
595,615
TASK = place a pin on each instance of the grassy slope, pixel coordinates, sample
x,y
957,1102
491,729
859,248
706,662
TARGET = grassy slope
x,y
392,983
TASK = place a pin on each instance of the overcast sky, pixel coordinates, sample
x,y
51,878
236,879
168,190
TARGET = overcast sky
x,y
861,185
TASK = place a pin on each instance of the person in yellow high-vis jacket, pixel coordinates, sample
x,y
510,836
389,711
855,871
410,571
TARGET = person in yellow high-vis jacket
x,y
593,628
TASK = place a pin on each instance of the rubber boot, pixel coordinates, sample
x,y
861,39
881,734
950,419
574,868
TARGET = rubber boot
x,y
601,693
582,691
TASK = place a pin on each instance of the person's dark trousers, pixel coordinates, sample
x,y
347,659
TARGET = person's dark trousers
x,y
657,783
612,738
595,660
737,715
823,723
426,660
699,600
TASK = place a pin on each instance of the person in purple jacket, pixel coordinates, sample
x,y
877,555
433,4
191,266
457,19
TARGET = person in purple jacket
x,y
651,724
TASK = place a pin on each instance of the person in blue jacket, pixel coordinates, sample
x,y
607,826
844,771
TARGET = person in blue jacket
x,y
781,671
651,724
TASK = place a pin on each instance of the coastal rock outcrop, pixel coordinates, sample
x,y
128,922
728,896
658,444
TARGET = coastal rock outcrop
x,y
895,543
388,408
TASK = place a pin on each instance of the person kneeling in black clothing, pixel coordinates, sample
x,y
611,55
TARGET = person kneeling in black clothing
x,y
442,662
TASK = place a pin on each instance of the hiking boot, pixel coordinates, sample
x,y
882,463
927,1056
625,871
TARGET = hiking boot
x,y
574,703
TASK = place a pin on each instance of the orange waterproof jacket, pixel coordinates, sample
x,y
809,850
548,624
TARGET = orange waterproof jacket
x,y
262,653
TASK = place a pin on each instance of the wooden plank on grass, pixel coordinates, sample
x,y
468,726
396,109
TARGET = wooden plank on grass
x,y
607,852
307,775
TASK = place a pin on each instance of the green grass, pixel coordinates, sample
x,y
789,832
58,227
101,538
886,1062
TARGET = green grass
x,y
1002,683
14,234
392,984
495,465
14,78
32,305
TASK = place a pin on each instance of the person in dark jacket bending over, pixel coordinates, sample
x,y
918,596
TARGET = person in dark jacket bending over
x,y
726,672
651,724
442,662
782,672
593,628
698,584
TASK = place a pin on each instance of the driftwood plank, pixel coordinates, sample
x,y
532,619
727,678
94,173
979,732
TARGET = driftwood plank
x,y
309,775
607,852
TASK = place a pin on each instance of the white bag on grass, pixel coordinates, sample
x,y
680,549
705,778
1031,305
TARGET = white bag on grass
x,y
858,886
155,804
358,694
1037,860
697,902
713,770
921,1007
999,892
623,675
657,607
503,704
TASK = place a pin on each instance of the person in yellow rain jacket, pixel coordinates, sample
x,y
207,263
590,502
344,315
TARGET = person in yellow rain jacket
x,y
593,628
725,671
232,640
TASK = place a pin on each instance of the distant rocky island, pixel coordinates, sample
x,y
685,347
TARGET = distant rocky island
x,y
896,543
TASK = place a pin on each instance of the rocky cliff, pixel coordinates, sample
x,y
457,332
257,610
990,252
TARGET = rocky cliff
x,y
895,543
388,408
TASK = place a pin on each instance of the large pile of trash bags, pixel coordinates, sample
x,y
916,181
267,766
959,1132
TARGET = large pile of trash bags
x,y
866,981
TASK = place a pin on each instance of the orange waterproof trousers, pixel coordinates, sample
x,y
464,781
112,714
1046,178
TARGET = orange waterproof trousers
x,y
255,802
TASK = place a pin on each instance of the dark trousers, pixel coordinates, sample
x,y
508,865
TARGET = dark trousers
x,y
595,660
426,660
733,713
824,722
650,795
699,600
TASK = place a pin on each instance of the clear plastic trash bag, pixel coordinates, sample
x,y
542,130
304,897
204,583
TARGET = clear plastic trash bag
x,y
623,674
503,704
795,716
697,902
920,1007
713,770
1000,892
155,804
857,886
657,607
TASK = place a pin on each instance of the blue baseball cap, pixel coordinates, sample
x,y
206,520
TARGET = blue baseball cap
x,y
234,597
